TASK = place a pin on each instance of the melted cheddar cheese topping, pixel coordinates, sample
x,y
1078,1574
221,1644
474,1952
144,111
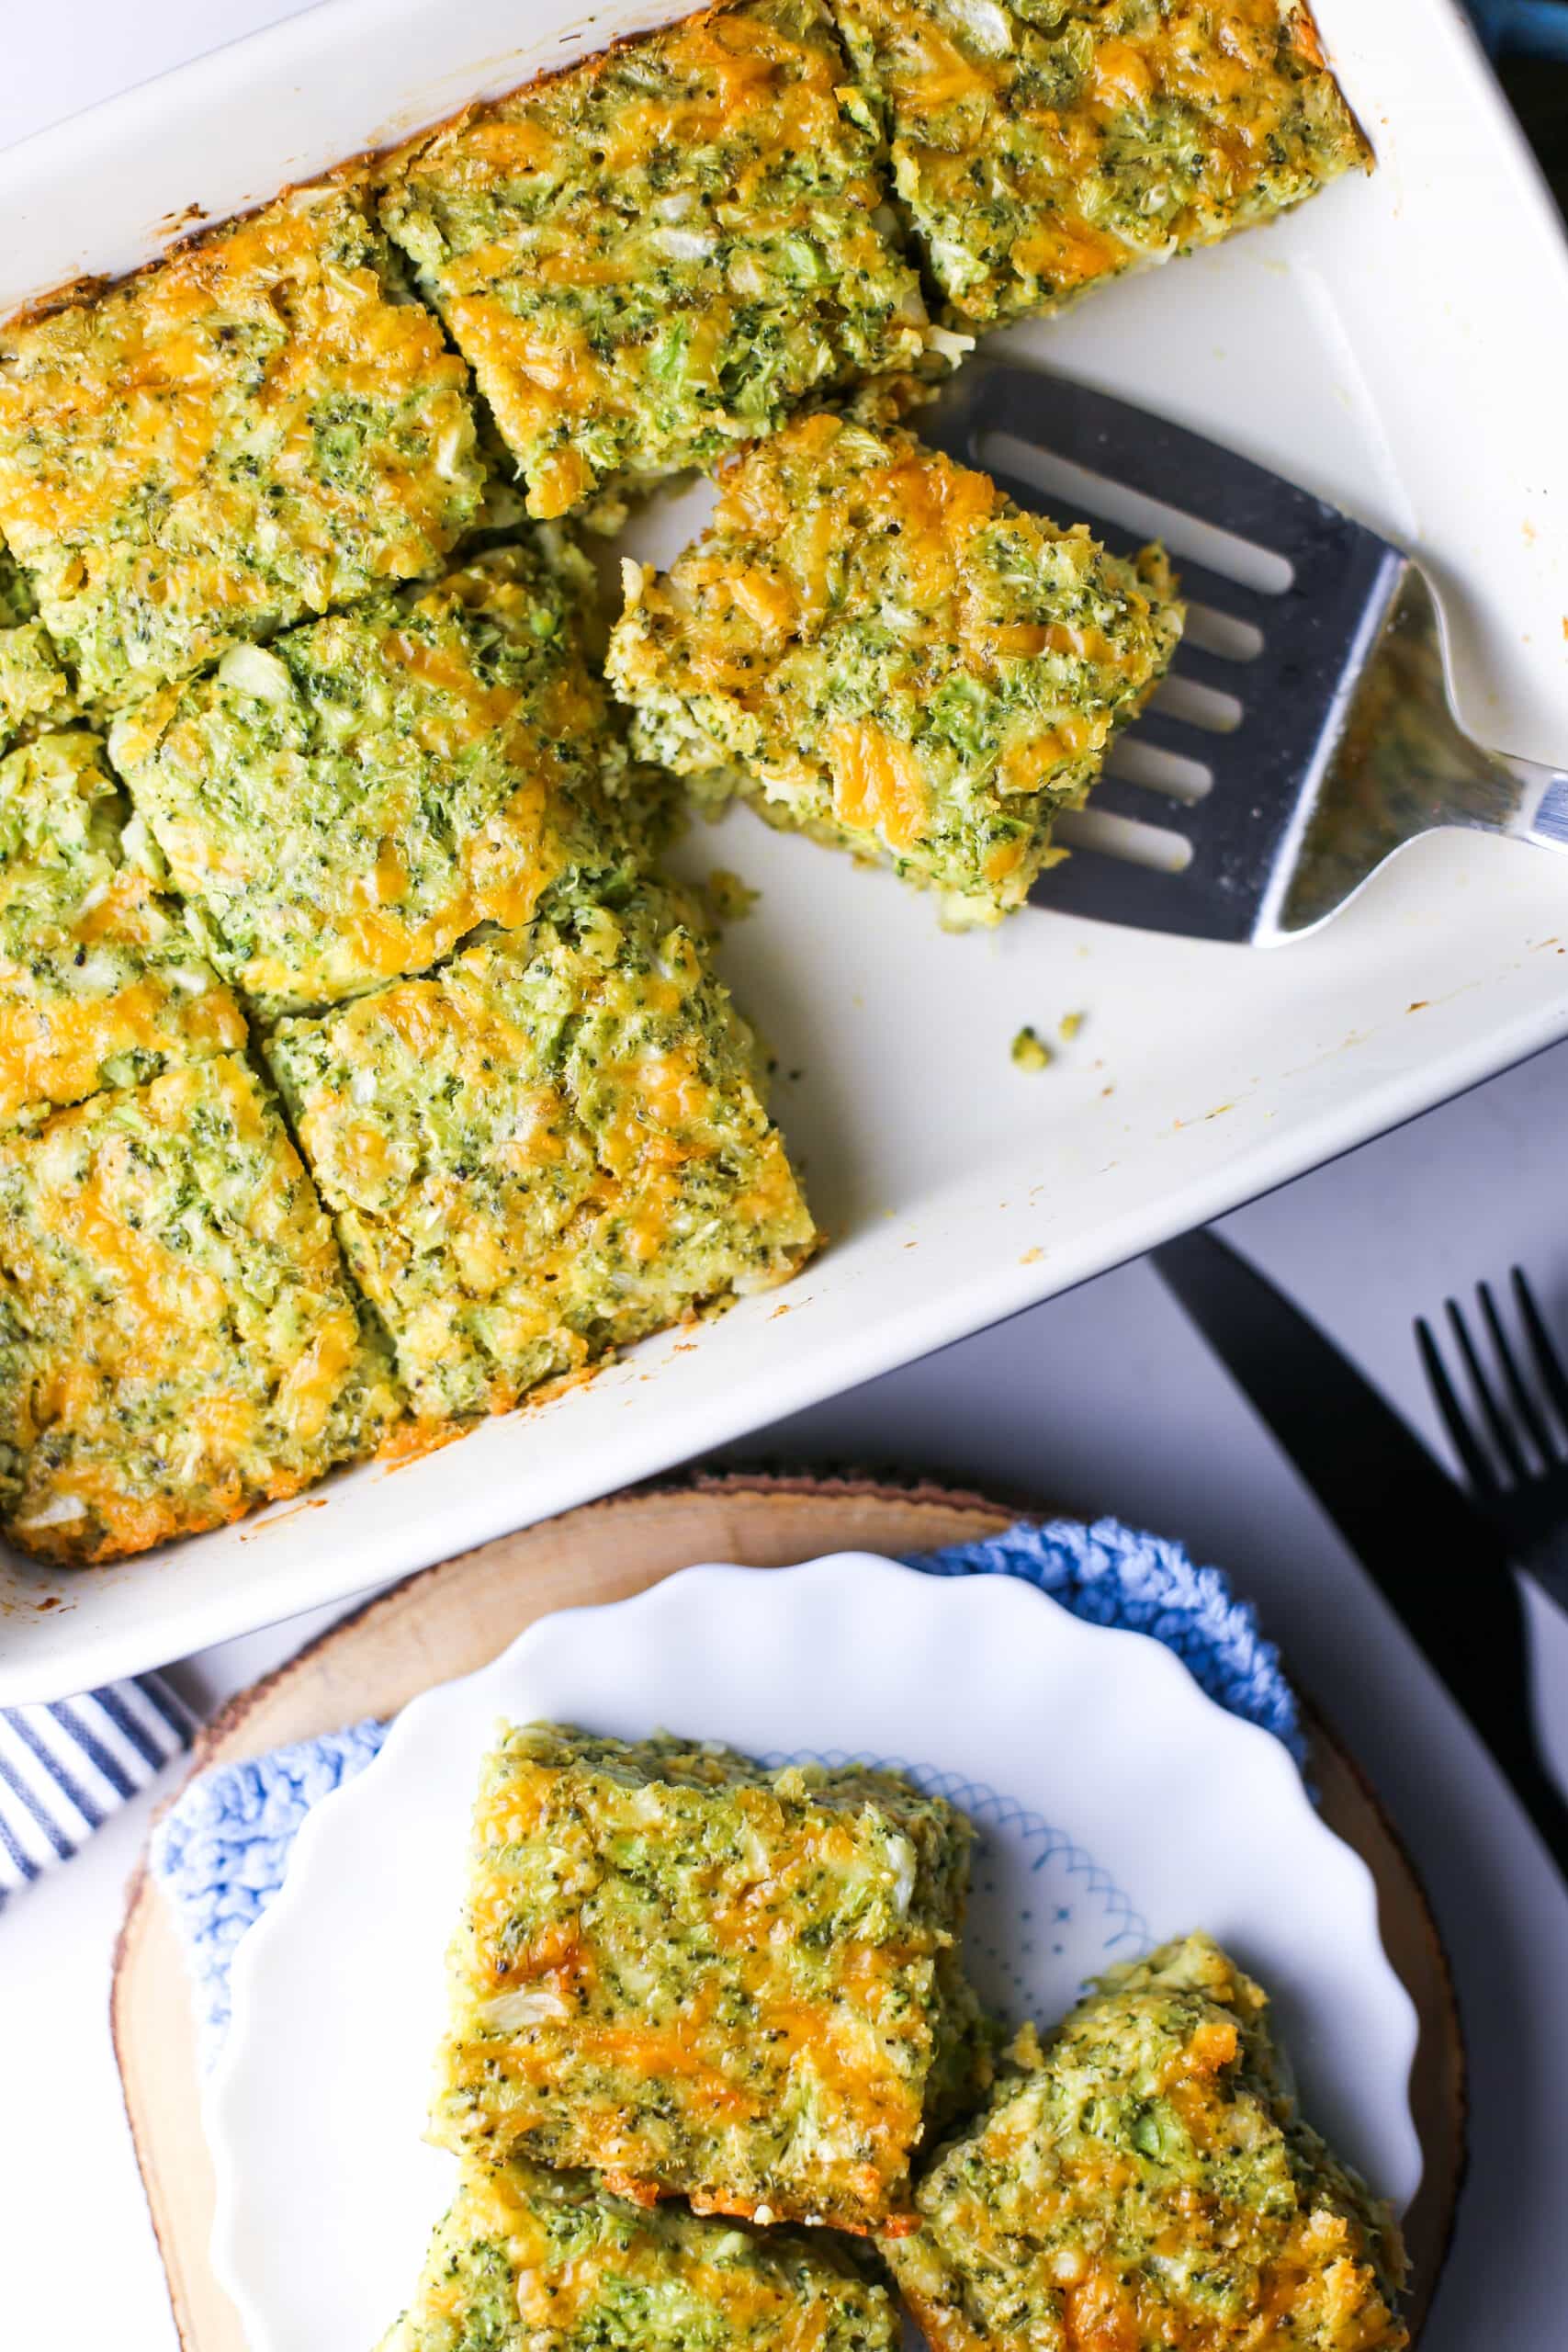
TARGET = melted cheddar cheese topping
x,y
101,984
876,644
528,2258
178,1340
659,252
1042,150
344,805
549,1145
251,431
697,1976
1147,2181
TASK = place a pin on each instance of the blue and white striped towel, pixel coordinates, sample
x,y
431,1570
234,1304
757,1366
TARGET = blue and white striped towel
x,y
66,1767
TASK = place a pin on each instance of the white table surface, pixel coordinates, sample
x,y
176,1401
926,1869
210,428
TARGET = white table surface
x,y
1102,1400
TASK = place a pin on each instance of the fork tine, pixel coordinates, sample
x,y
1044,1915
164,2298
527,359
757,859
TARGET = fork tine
x,y
1503,1437
1535,1429
1473,1456
1547,1363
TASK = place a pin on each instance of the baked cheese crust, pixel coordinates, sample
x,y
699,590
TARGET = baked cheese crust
x,y
696,1976
1042,150
177,1339
343,805
254,430
550,1145
529,2260
101,983
658,252
1146,2181
874,643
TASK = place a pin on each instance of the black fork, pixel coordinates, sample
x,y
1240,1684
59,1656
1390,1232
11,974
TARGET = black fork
x,y
1514,1440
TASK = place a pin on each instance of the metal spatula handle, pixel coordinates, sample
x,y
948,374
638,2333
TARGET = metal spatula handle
x,y
1404,766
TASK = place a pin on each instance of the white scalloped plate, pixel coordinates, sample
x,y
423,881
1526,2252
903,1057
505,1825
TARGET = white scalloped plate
x,y
1117,1805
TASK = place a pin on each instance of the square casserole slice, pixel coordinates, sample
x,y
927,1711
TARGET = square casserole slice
x,y
343,805
253,430
177,1338
101,983
698,1976
1146,2180
658,251
874,644
34,692
1041,149
530,2260
550,1145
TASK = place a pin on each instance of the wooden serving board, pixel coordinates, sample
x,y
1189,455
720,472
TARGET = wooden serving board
x,y
452,1619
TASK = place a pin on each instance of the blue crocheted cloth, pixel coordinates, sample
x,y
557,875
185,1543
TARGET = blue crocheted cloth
x,y
220,1853
1523,27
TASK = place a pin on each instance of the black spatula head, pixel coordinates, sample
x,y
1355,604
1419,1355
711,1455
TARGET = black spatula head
x,y
1310,589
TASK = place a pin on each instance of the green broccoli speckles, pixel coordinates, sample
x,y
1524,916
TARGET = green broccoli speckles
x,y
656,254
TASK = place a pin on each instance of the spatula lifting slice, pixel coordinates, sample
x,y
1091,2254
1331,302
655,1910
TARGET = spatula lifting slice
x,y
1304,732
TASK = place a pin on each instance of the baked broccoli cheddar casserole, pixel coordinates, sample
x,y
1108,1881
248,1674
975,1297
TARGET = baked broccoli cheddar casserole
x,y
874,643
688,1984
1042,150
253,430
549,1145
1145,2180
658,252
101,983
695,1976
359,1072
530,2260
177,1339
346,804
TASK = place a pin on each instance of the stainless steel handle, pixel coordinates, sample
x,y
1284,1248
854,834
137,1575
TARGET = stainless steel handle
x,y
1402,767
1543,809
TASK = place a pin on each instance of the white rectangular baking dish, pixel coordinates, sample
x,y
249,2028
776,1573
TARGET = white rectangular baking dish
x,y
1400,345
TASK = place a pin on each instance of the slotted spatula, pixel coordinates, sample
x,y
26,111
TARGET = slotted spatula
x,y
1304,732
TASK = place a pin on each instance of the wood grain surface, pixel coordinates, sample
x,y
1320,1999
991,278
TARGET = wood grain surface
x,y
451,1619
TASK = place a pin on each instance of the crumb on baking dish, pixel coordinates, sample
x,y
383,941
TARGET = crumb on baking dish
x,y
727,897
